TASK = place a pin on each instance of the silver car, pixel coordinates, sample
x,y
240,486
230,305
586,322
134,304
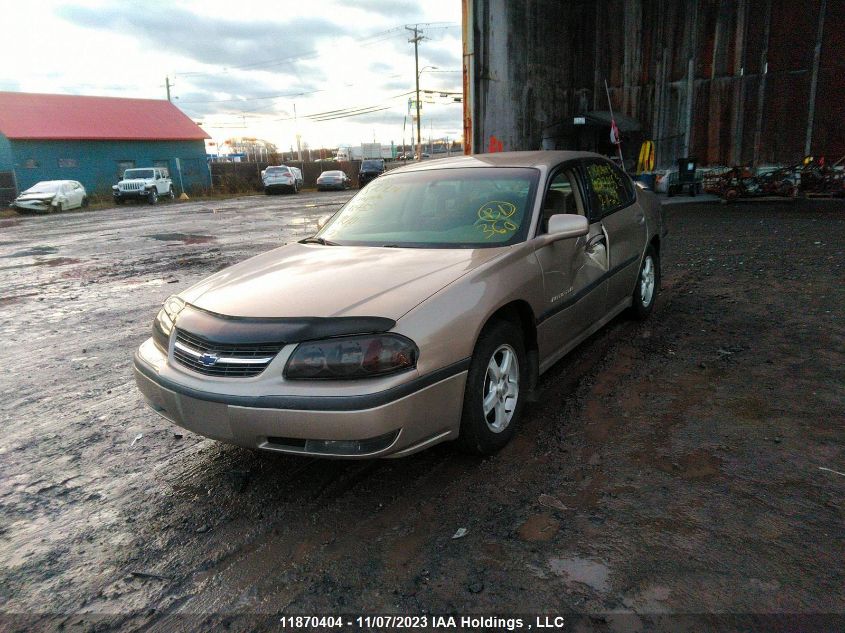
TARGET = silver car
x,y
424,311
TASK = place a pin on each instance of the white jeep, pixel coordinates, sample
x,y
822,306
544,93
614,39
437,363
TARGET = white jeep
x,y
148,182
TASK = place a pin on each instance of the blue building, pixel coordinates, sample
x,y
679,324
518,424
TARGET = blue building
x,y
93,140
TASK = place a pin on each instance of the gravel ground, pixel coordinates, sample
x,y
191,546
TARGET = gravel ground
x,y
691,464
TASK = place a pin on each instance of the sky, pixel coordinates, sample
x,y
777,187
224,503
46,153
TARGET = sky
x,y
245,68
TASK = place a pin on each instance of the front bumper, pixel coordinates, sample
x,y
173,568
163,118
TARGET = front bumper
x,y
133,193
33,205
393,422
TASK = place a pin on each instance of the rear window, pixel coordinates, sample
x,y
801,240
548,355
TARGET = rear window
x,y
372,165
275,171
610,189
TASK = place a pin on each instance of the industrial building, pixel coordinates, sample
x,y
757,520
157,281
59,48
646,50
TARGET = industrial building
x,y
93,140
728,82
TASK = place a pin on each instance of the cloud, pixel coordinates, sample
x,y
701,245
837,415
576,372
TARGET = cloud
x,y
261,44
404,9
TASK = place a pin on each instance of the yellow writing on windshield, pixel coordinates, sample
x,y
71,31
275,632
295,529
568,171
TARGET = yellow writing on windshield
x,y
494,218
607,185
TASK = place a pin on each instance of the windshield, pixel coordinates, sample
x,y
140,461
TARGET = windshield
x,y
129,174
372,165
48,186
444,208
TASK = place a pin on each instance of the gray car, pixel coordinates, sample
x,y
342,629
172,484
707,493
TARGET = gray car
x,y
423,311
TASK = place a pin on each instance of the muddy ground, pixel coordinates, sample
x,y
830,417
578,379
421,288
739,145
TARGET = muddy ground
x,y
691,464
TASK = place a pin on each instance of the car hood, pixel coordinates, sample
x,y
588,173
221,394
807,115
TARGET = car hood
x,y
311,280
32,197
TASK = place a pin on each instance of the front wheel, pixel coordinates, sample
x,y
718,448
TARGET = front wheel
x,y
152,197
494,396
85,202
58,207
648,284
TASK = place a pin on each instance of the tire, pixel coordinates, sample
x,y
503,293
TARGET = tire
x,y
645,292
118,200
171,193
485,434
85,202
152,197
57,208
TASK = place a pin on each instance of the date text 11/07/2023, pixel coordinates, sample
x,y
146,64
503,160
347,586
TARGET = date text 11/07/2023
x,y
369,622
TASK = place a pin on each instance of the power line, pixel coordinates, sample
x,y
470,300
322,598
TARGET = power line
x,y
363,42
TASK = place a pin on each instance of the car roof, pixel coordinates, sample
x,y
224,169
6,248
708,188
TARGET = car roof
x,y
537,159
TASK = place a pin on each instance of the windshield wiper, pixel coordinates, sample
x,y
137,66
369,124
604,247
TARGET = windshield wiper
x,y
318,240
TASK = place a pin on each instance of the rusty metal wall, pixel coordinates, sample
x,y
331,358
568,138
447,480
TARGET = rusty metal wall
x,y
725,81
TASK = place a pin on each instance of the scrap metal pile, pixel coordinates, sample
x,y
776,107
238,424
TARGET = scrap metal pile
x,y
811,178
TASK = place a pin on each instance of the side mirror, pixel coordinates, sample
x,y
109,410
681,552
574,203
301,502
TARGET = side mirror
x,y
563,225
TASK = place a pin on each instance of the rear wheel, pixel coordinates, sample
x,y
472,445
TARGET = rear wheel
x,y
648,284
494,396
171,193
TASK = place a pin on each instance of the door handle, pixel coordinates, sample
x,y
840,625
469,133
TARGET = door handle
x,y
595,241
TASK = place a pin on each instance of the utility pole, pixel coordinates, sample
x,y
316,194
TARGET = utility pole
x,y
167,85
298,137
416,40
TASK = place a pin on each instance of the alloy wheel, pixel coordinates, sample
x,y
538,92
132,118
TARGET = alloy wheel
x,y
501,388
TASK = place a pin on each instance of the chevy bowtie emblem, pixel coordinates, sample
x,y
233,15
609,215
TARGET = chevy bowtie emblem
x,y
209,359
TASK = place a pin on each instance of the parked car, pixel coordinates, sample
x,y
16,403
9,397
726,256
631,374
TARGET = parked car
x,y
423,311
52,195
282,178
148,183
370,169
334,179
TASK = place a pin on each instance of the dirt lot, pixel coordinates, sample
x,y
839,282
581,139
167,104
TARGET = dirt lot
x,y
692,464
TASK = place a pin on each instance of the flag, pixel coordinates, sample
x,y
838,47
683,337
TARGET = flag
x,y
614,133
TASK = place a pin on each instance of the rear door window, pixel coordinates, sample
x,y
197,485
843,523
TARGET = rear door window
x,y
609,189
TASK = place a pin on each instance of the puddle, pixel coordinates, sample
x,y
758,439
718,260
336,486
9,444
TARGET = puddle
x,y
34,251
5,301
582,571
57,261
185,238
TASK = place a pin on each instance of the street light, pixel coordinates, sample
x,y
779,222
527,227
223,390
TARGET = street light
x,y
419,140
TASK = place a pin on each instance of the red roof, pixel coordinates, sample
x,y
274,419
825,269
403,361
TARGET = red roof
x,y
72,117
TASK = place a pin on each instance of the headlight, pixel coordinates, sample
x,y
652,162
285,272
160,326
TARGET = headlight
x,y
163,324
115,187
351,357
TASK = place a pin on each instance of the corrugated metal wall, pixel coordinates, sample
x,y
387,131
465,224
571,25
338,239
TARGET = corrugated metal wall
x,y
96,164
726,81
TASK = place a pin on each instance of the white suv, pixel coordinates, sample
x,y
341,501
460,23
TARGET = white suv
x,y
281,177
149,183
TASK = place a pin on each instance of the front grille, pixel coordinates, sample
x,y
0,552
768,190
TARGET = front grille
x,y
233,360
130,186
